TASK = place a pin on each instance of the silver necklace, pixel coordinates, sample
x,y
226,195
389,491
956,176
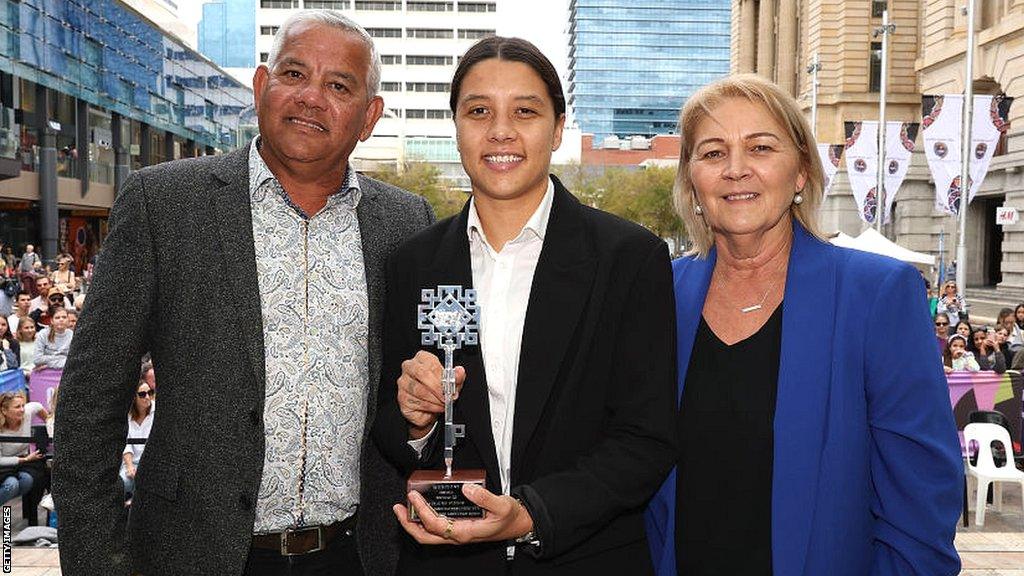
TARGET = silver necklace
x,y
759,305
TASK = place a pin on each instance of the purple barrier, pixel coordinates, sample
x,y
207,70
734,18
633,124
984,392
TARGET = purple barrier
x,y
970,391
41,387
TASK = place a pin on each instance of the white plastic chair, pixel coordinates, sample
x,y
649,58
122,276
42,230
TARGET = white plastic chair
x,y
985,471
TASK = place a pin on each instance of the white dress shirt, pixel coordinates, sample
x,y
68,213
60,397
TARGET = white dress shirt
x,y
502,281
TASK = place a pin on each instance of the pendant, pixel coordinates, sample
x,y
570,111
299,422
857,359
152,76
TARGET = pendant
x,y
750,308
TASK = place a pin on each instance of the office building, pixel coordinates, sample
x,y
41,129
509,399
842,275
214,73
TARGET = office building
x,y
227,33
90,90
633,64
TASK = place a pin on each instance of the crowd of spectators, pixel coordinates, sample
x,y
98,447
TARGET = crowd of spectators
x,y
967,348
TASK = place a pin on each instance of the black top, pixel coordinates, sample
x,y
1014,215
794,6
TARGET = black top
x,y
724,486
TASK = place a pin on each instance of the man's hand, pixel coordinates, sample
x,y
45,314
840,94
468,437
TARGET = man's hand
x,y
420,395
506,519
129,470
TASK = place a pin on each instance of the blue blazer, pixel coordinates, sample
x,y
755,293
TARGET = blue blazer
x,y
867,474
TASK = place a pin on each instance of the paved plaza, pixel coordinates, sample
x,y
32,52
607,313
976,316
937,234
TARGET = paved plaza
x,y
995,549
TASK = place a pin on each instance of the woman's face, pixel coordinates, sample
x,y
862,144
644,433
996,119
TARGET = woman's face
x,y
3,326
978,338
15,410
506,130
143,397
963,329
1019,314
59,322
745,169
26,329
956,348
950,289
1001,335
1008,323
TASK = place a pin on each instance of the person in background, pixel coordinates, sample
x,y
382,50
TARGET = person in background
x,y
941,331
25,465
29,260
9,345
63,277
27,345
53,342
22,306
55,300
986,351
964,329
951,302
957,357
1016,325
844,467
140,422
72,319
41,302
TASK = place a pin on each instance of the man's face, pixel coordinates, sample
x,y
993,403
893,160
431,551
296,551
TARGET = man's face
x,y
24,303
43,285
314,106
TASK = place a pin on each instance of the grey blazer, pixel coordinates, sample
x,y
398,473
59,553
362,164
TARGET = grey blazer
x,y
177,277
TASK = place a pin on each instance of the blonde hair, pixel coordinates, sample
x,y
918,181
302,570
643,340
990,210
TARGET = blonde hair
x,y
5,400
784,110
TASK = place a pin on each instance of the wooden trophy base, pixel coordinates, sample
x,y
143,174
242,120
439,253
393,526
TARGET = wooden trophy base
x,y
445,494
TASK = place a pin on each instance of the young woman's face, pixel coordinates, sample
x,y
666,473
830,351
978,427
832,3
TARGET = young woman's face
x,y
963,329
950,289
978,338
956,347
1019,313
1001,335
26,329
59,322
143,397
3,326
15,409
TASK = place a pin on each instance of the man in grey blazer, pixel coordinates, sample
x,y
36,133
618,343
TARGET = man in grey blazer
x,y
256,281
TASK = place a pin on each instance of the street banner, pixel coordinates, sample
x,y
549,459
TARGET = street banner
x,y
41,386
830,155
899,145
862,166
942,121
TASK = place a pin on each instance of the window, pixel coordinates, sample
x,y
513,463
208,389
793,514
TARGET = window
x,y
432,114
326,4
268,30
395,112
385,32
428,33
477,7
875,76
415,114
390,86
380,6
264,56
428,6
439,114
475,34
877,7
281,4
428,86
428,60
390,58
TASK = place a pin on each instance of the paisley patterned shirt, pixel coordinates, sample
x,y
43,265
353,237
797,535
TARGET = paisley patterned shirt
x,y
315,329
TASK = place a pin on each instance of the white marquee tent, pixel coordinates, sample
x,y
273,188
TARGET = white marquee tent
x,y
871,241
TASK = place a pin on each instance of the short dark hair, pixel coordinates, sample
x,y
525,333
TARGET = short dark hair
x,y
512,50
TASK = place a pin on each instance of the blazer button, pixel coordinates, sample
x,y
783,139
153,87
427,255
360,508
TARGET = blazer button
x,y
245,501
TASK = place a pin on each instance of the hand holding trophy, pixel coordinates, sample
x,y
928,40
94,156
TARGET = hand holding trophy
x,y
448,317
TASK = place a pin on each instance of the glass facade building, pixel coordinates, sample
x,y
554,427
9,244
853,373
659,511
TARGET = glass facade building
x,y
227,33
90,90
632,65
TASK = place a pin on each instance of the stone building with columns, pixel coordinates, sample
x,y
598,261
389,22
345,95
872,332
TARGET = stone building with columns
x,y
779,38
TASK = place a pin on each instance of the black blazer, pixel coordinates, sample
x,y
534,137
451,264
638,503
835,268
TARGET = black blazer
x,y
593,432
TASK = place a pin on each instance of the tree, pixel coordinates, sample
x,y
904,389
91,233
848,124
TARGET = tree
x,y
425,180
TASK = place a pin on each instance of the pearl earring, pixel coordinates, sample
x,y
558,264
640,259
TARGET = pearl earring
x,y
798,199
698,210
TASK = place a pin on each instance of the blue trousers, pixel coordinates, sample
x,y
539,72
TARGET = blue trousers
x,y
14,486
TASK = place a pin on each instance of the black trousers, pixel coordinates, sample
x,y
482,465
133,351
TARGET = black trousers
x,y
340,558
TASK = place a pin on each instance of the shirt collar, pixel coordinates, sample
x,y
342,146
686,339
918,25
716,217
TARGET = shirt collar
x,y
537,225
260,173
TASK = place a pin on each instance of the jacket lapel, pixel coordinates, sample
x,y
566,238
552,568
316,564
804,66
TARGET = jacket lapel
x,y
801,408
233,221
691,278
452,265
560,291
372,232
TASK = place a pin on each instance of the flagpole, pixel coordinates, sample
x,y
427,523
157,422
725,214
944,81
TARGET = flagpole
x,y
965,156
884,32
813,69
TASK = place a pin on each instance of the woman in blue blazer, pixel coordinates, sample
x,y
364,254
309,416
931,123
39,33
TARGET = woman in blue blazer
x,y
815,439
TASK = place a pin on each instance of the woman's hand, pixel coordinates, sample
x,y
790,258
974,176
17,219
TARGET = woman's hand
x,y
506,519
948,369
420,394
33,456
